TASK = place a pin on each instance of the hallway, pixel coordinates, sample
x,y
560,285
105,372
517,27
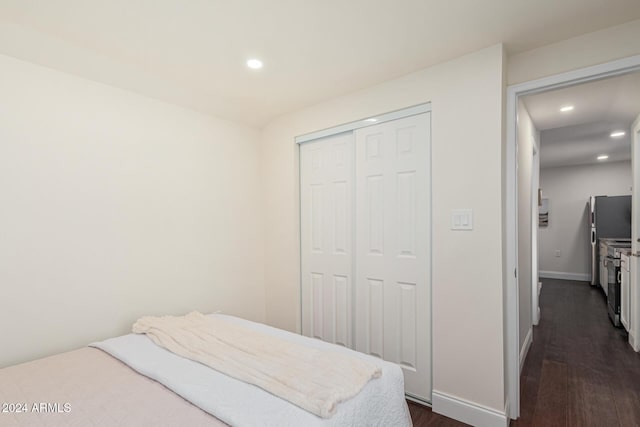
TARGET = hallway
x,y
580,370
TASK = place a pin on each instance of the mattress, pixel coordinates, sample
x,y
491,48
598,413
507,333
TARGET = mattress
x,y
380,403
130,381
89,388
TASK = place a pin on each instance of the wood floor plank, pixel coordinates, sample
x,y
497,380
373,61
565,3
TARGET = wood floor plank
x,y
590,399
626,383
423,416
551,405
528,398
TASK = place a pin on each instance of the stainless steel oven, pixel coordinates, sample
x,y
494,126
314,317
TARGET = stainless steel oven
x,y
613,283
612,264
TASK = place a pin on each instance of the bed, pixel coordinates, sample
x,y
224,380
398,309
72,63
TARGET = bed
x,y
130,381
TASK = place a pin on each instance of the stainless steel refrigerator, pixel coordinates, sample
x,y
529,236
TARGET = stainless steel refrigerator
x,y
609,217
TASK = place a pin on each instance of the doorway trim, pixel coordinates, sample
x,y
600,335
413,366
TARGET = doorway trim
x,y
535,266
368,121
634,323
514,92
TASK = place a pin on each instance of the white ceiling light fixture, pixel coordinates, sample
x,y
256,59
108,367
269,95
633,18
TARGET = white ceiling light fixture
x,y
254,64
603,157
371,120
617,134
567,108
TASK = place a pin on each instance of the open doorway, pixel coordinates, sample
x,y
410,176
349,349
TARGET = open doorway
x,y
511,291
584,133
578,137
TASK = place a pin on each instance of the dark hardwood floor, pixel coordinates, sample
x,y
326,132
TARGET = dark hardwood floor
x,y
422,416
580,370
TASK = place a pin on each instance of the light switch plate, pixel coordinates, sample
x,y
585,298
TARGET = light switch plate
x,y
462,219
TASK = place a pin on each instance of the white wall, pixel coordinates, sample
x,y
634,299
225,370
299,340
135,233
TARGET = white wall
x,y
527,139
115,206
466,97
568,190
578,52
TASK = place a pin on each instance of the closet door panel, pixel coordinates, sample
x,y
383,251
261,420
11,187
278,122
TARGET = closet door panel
x,y
326,199
392,254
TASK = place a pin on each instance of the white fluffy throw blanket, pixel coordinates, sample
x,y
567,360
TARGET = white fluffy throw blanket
x,y
312,379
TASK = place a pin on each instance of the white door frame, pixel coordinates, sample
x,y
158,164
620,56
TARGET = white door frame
x,y
583,75
634,276
535,186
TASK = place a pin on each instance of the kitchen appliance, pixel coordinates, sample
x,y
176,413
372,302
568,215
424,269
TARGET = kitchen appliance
x,y
612,265
609,217
603,254
625,305
602,266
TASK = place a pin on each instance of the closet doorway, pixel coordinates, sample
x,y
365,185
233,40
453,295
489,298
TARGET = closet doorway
x,y
366,241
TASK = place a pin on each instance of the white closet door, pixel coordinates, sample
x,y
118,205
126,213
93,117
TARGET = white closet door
x,y
326,186
392,251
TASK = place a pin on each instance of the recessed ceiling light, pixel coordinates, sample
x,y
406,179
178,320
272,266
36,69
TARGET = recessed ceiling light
x,y
603,157
617,134
254,64
567,108
371,120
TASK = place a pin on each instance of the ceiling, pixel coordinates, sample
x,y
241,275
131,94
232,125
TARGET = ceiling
x,y
193,52
581,135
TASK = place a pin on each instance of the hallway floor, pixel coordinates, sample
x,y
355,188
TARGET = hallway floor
x,y
580,370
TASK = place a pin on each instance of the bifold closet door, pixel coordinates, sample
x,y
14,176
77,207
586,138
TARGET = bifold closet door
x,y
326,199
392,251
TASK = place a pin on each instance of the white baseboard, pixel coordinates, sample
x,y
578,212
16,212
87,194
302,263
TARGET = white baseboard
x,y
565,276
468,412
525,347
635,344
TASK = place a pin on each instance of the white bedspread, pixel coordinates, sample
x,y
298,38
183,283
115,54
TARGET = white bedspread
x,y
380,403
313,379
